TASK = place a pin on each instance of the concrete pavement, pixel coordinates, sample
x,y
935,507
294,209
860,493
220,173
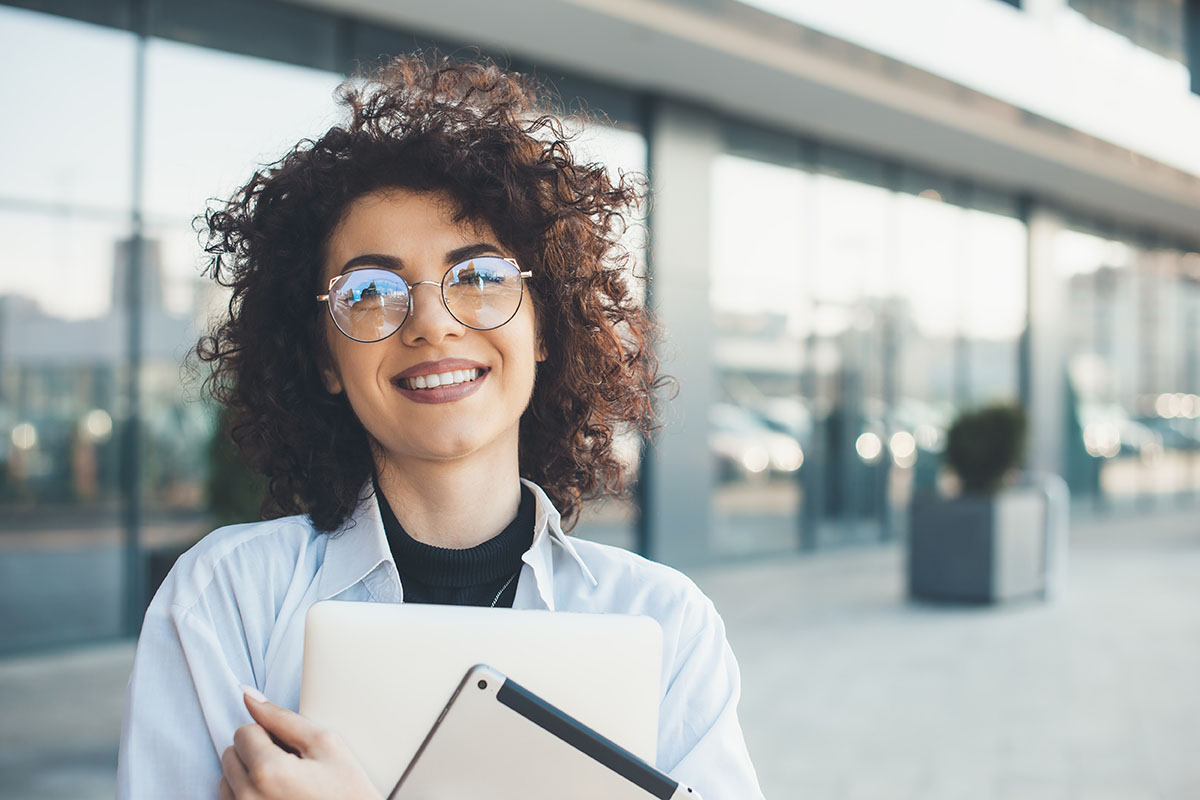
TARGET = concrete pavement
x,y
851,691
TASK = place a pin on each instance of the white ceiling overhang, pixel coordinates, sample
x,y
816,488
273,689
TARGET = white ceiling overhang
x,y
752,65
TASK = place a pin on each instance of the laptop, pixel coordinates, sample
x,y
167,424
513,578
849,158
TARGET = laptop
x,y
379,674
496,739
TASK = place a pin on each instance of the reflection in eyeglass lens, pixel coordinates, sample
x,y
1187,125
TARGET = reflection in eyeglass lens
x,y
483,293
370,306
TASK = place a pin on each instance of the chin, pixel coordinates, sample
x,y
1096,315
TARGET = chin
x,y
443,442
444,449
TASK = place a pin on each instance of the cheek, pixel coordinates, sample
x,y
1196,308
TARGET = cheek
x,y
528,364
523,340
355,367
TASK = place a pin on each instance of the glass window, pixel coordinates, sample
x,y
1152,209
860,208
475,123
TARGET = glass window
x,y
961,303
994,305
1167,405
62,342
285,32
853,221
1183,406
66,141
66,157
928,322
1103,342
1157,25
761,307
199,145
930,250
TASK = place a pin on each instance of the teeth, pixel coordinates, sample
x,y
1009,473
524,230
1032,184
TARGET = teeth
x,y
441,379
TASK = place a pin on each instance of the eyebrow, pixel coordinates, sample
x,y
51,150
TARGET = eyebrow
x,y
471,251
455,256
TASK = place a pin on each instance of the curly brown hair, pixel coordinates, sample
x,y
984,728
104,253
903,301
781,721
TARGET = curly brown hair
x,y
483,137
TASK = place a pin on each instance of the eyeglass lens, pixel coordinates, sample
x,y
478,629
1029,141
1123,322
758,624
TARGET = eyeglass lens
x,y
371,304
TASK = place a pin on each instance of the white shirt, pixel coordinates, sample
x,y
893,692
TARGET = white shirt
x,y
232,612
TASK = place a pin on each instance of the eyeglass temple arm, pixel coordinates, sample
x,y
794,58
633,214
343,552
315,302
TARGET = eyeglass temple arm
x,y
513,261
323,297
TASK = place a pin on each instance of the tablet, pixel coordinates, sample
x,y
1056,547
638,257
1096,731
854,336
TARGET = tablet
x,y
378,674
497,739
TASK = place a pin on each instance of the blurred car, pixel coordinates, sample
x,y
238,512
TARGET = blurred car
x,y
787,415
1108,432
1176,434
746,446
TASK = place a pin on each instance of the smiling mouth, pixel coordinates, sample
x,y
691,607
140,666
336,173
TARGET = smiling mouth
x,y
452,377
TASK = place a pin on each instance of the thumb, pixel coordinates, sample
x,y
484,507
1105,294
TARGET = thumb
x,y
289,730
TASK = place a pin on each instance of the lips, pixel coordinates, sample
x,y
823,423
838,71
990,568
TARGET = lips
x,y
449,378
438,367
442,381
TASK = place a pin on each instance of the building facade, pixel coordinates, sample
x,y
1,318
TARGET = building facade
x,y
868,216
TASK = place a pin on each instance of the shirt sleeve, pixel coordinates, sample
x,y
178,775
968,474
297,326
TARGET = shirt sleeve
x,y
702,743
183,702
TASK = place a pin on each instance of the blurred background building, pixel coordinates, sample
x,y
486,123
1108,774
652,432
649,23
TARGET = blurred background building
x,y
868,215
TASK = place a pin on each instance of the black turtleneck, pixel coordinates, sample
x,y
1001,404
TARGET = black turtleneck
x,y
470,577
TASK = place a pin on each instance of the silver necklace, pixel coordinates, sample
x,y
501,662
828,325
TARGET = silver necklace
x,y
511,578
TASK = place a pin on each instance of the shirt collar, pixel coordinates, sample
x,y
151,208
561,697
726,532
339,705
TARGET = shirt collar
x,y
356,548
360,545
547,532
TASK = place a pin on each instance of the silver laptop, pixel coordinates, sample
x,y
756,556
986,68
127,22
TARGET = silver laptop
x,y
496,739
379,674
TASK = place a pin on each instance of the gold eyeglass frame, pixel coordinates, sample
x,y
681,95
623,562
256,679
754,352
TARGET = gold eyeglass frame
x,y
324,298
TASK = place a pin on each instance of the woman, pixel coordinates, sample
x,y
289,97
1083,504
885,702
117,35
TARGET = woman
x,y
429,351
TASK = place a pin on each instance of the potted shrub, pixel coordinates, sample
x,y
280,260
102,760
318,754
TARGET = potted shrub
x,y
986,543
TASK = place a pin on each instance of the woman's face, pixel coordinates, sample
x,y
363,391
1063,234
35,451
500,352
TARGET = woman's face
x,y
410,424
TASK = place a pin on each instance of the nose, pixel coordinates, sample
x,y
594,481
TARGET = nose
x,y
433,322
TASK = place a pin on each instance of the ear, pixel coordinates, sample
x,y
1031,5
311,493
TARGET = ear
x,y
330,378
540,353
332,381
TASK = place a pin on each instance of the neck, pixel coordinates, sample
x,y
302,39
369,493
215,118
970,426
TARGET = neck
x,y
456,504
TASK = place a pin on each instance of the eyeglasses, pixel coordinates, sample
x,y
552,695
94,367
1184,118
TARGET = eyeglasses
x,y
370,304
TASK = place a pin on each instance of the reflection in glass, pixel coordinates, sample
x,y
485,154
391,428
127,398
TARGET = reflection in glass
x,y
60,346
61,418
1132,374
993,303
961,301
68,120
758,295
855,319
65,199
195,151
853,312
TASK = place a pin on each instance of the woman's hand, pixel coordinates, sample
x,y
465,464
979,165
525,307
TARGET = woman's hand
x,y
320,768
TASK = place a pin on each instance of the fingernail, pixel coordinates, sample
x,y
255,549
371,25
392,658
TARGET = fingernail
x,y
254,694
